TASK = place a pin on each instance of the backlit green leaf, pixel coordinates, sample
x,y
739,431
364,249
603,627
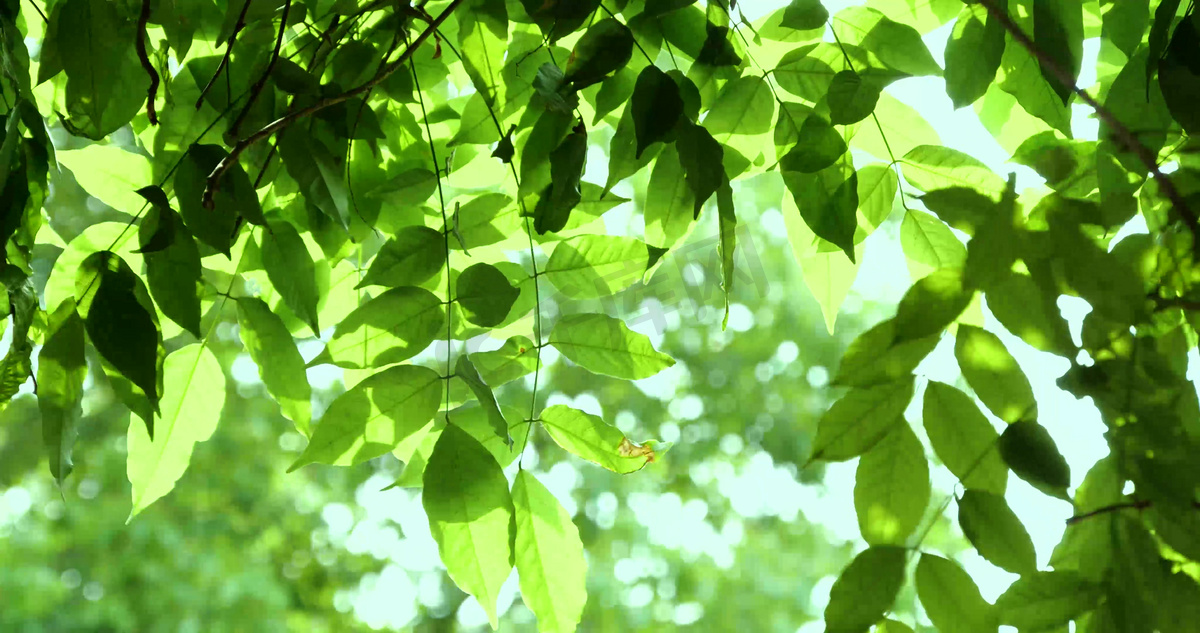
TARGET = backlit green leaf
x,y
931,167
1044,600
670,201
280,365
549,556
994,374
412,256
973,53
390,328
516,358
744,106
996,532
465,370
1030,451
485,295
291,271
951,598
589,437
963,439
604,345
880,356
860,419
60,374
891,488
865,590
1058,33
897,45
592,266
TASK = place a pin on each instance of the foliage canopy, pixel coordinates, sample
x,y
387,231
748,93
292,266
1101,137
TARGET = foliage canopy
x,y
398,182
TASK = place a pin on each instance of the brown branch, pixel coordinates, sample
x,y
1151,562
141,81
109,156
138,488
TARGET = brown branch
x,y
1117,507
281,123
258,86
1123,134
237,28
1167,303
152,91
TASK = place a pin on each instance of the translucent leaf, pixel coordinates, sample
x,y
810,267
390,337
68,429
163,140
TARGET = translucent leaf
x,y
374,416
314,167
484,220
390,328
951,598
191,407
805,14
669,201
412,256
465,370
809,70
702,159
483,38
996,532
604,48
861,418
484,294
60,374
121,322
994,374
109,173
516,358
880,356
923,15
591,438
1058,33
280,365
896,44
604,345
931,304
1030,452
1044,600
928,242
626,154
549,556
1021,77
818,145
1024,309
744,106
903,128
850,98
470,514
931,167
591,266
291,271
106,87
973,53
173,272
865,590
891,488
963,438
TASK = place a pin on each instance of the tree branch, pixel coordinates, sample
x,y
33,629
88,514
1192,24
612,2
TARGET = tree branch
x,y
266,74
237,28
1119,129
152,91
1117,507
281,123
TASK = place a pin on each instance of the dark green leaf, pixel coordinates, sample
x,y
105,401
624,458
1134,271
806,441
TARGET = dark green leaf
x,y
850,98
996,532
974,53
415,254
963,439
656,106
951,598
172,270
562,195
235,197
1048,599
861,418
466,371
106,86
1160,31
1058,33
865,590
484,294
61,371
804,15
818,145
312,165
291,271
1030,452
604,48
701,156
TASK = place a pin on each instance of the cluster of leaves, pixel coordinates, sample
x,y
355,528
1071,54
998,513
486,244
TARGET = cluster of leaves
x,y
398,173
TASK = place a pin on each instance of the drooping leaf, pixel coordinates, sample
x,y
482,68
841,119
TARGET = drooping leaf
x,y
549,556
996,532
374,416
994,374
951,598
1058,32
280,365
973,53
1030,452
485,294
390,328
173,271
567,163
865,590
465,370
671,202
193,396
891,488
655,108
604,48
860,419
701,157
963,439
604,345
291,271
589,437
60,374
470,514
412,256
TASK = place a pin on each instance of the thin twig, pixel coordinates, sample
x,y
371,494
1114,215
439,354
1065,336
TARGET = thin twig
x,y
1127,138
152,91
1116,507
279,124
40,12
1167,303
237,28
258,86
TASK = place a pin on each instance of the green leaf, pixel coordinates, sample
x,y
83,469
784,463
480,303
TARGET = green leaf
x,y
466,371
591,266
482,38
963,439
562,195
931,167
173,272
388,329
671,202
549,556
412,256
191,407
701,156
604,345
280,365
744,106
877,187
897,45
374,416
996,532
728,241
974,53
928,241
860,419
313,166
891,488
655,108
60,374
588,437
106,86
1125,23
994,374
602,50
1160,31
932,304
291,271
547,135
234,197
951,599
1045,600
109,173
865,590
516,358
892,626
850,98
818,145
1058,33
121,322
1022,78
828,209
807,71
804,15
1024,309
485,220
878,356
470,515
1030,452
485,295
